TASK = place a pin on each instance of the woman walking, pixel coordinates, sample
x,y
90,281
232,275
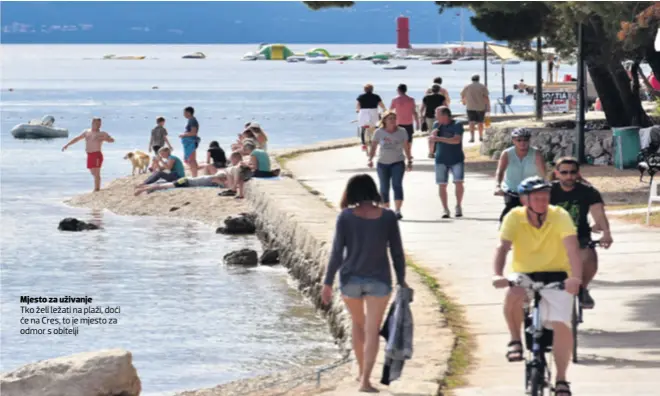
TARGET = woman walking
x,y
393,142
365,231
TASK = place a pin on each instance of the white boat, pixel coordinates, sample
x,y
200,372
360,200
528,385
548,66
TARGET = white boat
x,y
380,61
395,67
36,129
195,55
319,60
506,62
250,56
296,58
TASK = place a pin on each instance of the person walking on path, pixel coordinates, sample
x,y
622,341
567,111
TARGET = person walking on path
x,y
430,103
447,136
443,92
367,108
406,111
545,248
365,231
517,163
394,149
580,199
94,139
477,102
190,140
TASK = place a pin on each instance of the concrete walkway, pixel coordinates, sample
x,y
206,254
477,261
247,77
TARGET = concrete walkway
x,y
619,341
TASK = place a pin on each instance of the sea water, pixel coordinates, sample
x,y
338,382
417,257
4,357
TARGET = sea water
x,y
189,321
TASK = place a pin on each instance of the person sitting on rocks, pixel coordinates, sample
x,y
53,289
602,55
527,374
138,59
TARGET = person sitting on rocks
x,y
232,178
168,168
259,161
261,138
247,135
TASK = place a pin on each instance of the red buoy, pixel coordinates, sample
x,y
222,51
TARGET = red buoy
x,y
402,33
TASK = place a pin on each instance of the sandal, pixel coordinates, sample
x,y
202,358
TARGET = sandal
x,y
227,193
515,351
565,391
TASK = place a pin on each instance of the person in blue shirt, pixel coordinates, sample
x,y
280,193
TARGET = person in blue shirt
x,y
447,135
190,140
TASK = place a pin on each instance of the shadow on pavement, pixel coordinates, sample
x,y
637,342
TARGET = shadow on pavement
x,y
593,360
647,309
630,283
640,339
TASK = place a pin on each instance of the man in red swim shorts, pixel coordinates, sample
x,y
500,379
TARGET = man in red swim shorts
x,y
94,139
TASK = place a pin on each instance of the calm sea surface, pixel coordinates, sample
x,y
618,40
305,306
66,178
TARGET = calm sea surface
x,y
189,320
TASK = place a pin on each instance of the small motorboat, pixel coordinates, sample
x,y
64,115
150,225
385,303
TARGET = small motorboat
x,y
395,67
466,58
506,62
445,61
36,129
296,58
380,61
194,55
124,57
250,56
318,60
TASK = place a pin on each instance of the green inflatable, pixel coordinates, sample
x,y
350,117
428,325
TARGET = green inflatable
x,y
322,51
276,52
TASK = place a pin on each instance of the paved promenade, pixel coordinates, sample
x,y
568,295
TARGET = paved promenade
x,y
620,339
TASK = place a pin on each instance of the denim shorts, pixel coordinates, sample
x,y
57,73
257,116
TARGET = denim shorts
x,y
358,287
442,173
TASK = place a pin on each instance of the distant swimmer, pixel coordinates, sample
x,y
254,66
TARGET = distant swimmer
x,y
94,139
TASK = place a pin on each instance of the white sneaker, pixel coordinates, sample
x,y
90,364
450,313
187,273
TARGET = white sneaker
x,y
459,212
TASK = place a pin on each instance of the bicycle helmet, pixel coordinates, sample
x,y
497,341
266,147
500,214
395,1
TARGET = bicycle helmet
x,y
521,132
532,184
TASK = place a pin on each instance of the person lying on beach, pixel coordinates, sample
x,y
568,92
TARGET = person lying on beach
x,y
94,139
232,178
168,168
259,161
215,158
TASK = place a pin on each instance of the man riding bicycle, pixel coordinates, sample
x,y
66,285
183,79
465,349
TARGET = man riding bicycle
x,y
517,163
579,199
545,247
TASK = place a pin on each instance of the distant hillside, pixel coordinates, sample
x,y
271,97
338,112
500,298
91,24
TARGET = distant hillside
x,y
143,22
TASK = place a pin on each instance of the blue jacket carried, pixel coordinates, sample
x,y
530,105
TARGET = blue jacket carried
x,y
398,333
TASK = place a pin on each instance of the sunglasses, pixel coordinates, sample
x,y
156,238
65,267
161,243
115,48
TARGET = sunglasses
x,y
572,172
521,139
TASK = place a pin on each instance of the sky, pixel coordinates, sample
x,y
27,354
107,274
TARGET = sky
x,y
231,22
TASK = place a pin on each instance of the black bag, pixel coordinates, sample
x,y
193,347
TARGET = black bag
x,y
425,126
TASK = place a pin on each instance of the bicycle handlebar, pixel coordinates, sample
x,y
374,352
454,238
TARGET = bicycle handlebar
x,y
527,283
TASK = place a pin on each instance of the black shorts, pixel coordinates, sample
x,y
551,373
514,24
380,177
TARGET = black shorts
x,y
411,131
476,116
585,243
219,165
155,148
183,182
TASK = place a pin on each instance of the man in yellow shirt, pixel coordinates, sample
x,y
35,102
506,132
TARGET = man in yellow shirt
x,y
545,247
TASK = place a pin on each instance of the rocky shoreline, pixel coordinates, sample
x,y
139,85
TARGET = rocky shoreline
x,y
230,216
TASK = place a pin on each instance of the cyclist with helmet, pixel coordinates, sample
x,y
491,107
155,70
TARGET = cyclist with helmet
x,y
580,199
545,247
517,163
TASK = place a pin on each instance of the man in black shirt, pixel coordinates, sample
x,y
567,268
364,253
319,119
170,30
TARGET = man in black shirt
x,y
580,199
429,104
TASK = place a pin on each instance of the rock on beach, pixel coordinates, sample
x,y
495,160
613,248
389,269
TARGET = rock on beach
x,y
244,223
107,372
72,224
242,257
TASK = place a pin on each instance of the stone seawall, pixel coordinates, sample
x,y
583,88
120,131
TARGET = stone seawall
x,y
293,221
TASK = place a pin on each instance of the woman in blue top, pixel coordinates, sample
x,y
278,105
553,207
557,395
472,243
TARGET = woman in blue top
x,y
364,231
168,163
517,163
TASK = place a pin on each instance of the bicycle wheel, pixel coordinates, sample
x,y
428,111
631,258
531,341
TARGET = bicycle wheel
x,y
574,323
537,381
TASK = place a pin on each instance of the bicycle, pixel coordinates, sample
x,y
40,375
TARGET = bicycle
x,y
578,317
538,375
